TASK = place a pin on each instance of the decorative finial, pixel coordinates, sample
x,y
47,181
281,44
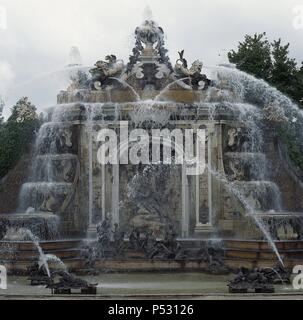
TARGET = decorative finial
x,y
74,57
148,14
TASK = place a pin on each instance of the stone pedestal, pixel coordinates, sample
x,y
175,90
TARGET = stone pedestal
x,y
92,232
204,229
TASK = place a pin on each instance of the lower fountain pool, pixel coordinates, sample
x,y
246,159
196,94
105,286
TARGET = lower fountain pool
x,y
141,284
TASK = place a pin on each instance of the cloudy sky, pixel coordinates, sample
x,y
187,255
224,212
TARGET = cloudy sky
x,y
39,34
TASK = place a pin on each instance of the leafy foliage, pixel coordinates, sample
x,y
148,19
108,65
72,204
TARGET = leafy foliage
x,y
271,62
293,146
16,134
2,105
253,56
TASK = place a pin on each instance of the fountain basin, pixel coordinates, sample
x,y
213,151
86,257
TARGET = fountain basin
x,y
121,96
42,225
17,256
47,196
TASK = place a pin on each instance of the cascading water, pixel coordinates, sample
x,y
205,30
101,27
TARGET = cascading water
x,y
125,84
249,209
53,259
258,92
167,88
42,257
151,112
53,175
23,234
252,166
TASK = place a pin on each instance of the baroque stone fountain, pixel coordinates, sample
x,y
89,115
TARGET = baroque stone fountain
x,y
244,210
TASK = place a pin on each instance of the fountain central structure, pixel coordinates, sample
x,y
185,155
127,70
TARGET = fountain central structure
x,y
249,198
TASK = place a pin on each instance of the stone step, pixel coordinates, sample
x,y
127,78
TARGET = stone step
x,y
33,255
262,245
264,254
45,245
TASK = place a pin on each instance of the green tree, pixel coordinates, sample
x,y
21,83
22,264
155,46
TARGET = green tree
x,y
2,105
284,73
16,134
299,93
253,56
270,62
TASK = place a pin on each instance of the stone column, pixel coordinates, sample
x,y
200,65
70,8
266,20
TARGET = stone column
x,y
103,191
197,181
115,194
92,229
208,227
198,223
210,199
185,206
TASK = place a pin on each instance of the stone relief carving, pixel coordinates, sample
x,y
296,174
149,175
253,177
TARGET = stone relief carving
x,y
233,138
237,170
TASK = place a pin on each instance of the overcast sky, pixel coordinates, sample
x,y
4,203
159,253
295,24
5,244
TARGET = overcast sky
x,y
40,33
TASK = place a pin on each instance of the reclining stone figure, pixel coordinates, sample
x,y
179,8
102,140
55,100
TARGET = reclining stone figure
x,y
196,80
104,71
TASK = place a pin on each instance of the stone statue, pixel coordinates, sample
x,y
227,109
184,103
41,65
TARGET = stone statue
x,y
68,171
67,282
4,226
233,138
38,275
169,248
213,257
104,70
49,204
89,255
119,245
260,279
237,170
134,239
195,78
251,280
149,190
62,139
170,239
150,241
104,231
